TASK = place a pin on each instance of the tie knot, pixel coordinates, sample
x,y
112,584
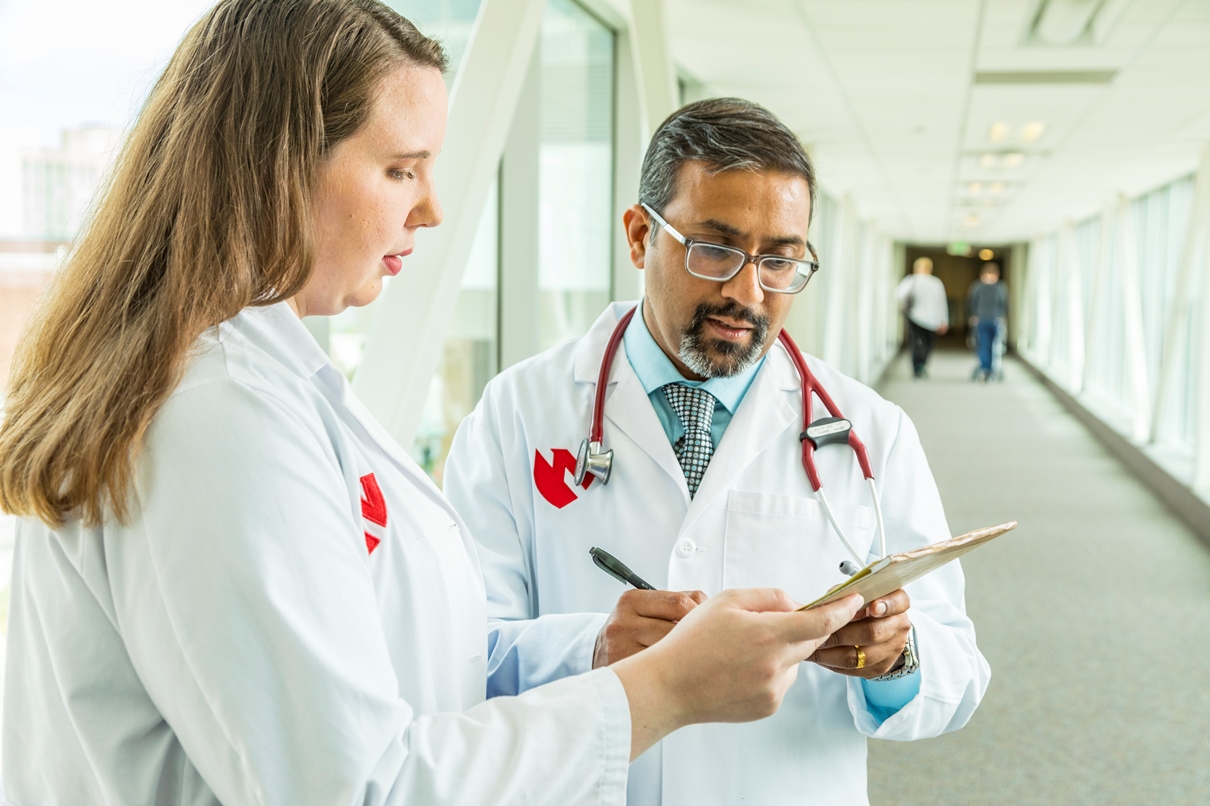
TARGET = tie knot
x,y
693,405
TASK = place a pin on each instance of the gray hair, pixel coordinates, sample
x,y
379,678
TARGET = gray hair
x,y
728,134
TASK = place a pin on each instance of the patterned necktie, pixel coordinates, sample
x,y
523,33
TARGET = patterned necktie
x,y
695,408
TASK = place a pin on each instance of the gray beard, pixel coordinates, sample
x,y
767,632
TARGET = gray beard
x,y
693,348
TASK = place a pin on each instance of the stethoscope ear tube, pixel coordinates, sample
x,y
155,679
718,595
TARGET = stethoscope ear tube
x,y
591,459
825,431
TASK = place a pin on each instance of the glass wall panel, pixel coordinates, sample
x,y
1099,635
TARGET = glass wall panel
x,y
1108,376
1157,227
575,224
470,356
1176,421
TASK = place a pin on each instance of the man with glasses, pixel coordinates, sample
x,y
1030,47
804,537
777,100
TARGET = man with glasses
x,y
702,410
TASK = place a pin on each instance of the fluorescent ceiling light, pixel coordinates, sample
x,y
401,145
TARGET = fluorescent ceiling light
x,y
1062,22
988,161
1002,77
997,132
975,188
1033,131
996,188
1013,159
971,220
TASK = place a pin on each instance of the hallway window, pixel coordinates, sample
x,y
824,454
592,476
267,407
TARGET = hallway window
x,y
575,171
470,356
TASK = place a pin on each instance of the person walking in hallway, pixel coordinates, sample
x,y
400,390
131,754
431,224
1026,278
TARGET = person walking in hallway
x,y
924,304
987,311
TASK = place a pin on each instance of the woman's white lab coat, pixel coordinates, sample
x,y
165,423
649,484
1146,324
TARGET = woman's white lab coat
x,y
754,522
294,615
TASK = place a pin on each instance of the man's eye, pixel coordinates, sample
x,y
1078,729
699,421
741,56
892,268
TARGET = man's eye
x,y
714,253
777,265
399,176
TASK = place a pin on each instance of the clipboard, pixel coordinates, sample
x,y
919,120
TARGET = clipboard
x,y
896,570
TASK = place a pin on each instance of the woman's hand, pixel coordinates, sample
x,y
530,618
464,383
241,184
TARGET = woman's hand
x,y
731,659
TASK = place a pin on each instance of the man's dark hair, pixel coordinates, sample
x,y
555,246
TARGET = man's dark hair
x,y
727,134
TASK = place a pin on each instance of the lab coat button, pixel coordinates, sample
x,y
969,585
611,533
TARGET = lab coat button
x,y
686,548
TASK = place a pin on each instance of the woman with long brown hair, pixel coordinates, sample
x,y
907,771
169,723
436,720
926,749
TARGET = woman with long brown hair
x,y
229,584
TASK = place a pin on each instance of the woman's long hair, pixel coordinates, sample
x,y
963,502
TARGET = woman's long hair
x,y
208,211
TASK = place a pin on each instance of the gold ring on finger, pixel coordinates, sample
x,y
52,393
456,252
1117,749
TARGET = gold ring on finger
x,y
860,657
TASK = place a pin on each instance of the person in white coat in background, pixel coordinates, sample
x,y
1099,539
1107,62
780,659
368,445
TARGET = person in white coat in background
x,y
703,410
230,585
921,297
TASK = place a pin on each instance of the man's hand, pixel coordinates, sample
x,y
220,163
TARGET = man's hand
x,y
880,629
639,620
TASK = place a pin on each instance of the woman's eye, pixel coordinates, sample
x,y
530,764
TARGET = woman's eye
x,y
399,176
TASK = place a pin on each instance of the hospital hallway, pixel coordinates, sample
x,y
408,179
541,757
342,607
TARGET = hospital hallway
x,y
1093,613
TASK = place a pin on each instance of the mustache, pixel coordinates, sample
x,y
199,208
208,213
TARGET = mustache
x,y
732,310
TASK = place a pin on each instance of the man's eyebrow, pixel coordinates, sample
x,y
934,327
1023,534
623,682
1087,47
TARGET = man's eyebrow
x,y
413,155
723,228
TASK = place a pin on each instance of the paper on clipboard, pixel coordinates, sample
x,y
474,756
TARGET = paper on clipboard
x,y
893,572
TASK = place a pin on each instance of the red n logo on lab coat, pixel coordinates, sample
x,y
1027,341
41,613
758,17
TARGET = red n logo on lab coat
x,y
551,477
373,508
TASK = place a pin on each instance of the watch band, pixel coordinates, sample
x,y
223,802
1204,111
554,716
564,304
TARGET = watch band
x,y
911,660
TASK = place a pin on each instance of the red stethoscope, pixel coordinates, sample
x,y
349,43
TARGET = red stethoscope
x,y
591,459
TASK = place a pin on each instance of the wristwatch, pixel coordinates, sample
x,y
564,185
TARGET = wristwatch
x,y
911,661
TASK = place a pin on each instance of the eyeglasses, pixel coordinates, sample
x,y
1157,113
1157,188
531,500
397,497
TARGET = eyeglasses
x,y
712,261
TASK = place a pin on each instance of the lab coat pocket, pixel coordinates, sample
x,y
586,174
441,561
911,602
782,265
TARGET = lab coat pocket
x,y
785,541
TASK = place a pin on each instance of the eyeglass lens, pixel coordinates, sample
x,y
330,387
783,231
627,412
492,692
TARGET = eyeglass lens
x,y
721,263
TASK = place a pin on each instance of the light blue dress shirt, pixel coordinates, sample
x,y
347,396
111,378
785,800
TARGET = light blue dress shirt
x,y
654,370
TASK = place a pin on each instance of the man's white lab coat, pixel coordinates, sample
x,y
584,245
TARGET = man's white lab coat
x,y
294,615
754,522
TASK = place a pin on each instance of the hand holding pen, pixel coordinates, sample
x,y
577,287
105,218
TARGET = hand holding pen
x,y
641,617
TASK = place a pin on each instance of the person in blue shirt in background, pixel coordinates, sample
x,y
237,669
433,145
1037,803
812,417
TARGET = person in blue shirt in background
x,y
987,313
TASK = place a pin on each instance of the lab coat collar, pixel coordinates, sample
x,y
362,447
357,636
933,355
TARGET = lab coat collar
x,y
591,348
277,330
627,406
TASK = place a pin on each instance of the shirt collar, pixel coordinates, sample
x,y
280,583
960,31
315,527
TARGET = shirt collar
x,y
656,370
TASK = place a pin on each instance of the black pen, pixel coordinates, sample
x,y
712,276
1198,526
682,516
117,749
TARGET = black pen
x,y
616,569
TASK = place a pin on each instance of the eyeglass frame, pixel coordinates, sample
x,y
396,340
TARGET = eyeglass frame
x,y
748,258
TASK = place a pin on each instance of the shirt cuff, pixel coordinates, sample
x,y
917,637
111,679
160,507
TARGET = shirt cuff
x,y
885,698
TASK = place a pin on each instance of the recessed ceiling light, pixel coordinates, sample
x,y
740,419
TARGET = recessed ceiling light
x,y
1031,132
996,188
1013,159
997,132
971,220
974,188
988,161
986,254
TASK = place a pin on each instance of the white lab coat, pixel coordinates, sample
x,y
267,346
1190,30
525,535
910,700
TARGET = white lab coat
x,y
754,522
238,641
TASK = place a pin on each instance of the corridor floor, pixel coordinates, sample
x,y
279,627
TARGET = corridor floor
x,y
1094,614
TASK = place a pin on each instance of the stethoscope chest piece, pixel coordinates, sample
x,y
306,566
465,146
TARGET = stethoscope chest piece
x,y
590,460
828,430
